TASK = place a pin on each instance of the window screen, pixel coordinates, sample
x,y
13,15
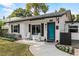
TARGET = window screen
x,y
73,28
35,29
15,28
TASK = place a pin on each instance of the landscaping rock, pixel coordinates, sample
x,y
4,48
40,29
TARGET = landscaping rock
x,y
70,50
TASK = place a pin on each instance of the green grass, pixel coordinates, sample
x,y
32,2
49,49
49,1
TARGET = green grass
x,y
8,48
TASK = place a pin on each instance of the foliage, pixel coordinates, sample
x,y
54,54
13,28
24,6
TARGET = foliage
x,y
62,9
77,17
1,24
12,37
65,48
36,8
73,17
31,8
18,13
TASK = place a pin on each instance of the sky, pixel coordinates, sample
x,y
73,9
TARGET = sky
x,y
7,8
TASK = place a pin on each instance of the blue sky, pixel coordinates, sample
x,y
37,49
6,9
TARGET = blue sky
x,y
7,8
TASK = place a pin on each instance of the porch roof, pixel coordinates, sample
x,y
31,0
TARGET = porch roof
x,y
71,21
49,15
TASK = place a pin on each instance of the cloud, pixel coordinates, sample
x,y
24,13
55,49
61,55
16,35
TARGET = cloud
x,y
7,9
7,5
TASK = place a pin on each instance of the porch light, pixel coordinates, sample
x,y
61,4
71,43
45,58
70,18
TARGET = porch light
x,y
45,25
57,18
50,20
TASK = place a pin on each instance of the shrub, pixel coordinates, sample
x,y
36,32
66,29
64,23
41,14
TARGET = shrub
x,y
70,50
65,48
12,37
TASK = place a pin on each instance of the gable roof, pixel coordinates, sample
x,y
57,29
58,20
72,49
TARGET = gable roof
x,y
49,15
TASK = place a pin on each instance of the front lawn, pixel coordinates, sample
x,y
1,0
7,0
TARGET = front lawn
x,y
8,48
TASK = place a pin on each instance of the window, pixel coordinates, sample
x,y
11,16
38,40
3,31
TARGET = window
x,y
15,28
73,28
35,29
38,28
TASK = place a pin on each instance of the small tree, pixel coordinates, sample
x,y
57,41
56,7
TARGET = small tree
x,y
18,13
36,8
73,17
77,17
1,24
62,9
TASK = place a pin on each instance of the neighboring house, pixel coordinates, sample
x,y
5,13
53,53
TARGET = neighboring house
x,y
5,28
49,25
73,28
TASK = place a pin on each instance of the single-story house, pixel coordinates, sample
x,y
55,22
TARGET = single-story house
x,y
49,25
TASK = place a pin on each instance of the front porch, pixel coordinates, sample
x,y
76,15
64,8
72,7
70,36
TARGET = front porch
x,y
41,32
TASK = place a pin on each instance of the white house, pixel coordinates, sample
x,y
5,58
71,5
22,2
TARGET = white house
x,y
48,25
73,28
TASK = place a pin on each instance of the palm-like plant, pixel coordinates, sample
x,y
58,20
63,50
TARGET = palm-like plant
x,y
1,24
36,8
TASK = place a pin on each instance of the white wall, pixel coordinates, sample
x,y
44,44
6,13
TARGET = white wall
x,y
45,21
45,24
9,29
23,29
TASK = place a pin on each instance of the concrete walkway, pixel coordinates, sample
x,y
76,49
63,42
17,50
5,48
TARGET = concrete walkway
x,y
43,48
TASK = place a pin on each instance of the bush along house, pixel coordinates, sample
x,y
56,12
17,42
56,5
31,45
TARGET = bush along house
x,y
48,25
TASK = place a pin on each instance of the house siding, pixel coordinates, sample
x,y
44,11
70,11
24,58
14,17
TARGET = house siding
x,y
74,36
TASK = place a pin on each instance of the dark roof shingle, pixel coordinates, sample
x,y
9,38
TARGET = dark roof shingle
x,y
56,14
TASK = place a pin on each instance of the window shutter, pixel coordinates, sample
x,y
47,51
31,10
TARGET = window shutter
x,y
11,28
42,29
18,28
29,27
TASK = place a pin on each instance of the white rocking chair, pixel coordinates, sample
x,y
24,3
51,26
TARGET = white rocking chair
x,y
29,36
38,38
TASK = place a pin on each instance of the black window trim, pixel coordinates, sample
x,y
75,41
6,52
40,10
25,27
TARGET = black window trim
x,y
36,32
73,29
18,29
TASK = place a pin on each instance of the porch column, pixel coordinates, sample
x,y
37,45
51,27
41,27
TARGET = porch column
x,y
57,33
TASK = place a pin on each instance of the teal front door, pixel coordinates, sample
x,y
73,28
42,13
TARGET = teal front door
x,y
51,31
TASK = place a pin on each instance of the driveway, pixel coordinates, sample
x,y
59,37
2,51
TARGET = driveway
x,y
75,44
43,48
